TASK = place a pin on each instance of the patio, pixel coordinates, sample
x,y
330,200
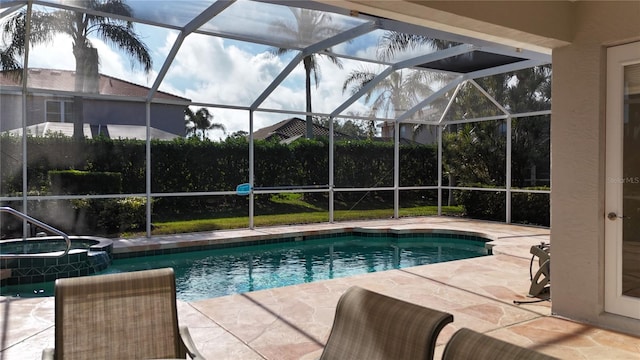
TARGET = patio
x,y
293,322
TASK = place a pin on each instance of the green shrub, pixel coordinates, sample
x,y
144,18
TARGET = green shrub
x,y
84,182
531,208
526,208
119,215
482,204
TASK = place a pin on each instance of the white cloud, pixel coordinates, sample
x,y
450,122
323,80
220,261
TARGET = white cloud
x,y
59,55
55,55
211,70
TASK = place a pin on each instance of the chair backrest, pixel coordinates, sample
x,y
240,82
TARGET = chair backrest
x,y
468,344
371,326
119,316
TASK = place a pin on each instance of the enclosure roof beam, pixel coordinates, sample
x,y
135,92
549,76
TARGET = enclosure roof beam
x,y
450,103
488,96
470,76
325,7
363,90
435,56
205,16
9,10
431,98
321,45
504,69
208,14
12,4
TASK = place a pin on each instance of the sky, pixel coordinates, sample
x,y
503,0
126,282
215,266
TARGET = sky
x,y
213,70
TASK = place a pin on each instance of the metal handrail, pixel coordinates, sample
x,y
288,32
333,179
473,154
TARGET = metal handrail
x,y
40,224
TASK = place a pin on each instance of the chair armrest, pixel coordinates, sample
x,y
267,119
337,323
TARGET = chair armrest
x,y
189,345
48,354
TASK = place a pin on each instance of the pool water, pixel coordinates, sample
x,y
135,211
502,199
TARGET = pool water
x,y
213,273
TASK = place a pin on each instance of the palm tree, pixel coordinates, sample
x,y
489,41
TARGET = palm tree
x,y
79,26
200,120
399,91
403,88
310,26
392,42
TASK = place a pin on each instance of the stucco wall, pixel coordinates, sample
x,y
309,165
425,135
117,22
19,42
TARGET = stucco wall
x,y
10,111
165,117
578,159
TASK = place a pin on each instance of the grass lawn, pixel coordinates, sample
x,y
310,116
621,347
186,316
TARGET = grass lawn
x,y
313,214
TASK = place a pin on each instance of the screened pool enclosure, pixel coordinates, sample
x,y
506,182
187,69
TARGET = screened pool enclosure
x,y
117,115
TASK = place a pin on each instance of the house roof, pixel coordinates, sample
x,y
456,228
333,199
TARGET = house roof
x,y
291,129
64,80
92,131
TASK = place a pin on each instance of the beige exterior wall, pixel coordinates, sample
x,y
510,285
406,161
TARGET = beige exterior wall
x,y
578,153
578,33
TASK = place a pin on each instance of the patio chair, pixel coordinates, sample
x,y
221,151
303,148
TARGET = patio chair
x,y
468,344
372,326
119,316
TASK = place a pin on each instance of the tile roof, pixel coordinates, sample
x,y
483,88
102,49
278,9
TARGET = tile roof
x,y
291,129
64,80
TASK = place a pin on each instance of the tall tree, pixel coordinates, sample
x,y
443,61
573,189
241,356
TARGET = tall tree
x,y
475,153
349,127
398,92
200,120
45,25
518,91
309,27
403,88
393,43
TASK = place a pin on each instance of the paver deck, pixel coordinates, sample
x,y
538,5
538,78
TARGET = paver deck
x,y
293,322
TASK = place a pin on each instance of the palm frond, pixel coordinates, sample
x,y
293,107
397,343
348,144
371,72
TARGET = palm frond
x,y
217,126
116,7
279,51
356,80
334,59
127,40
43,28
393,42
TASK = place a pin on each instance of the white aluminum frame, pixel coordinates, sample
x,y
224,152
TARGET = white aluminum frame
x,y
534,59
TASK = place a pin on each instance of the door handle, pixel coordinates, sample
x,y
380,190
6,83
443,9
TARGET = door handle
x,y
614,216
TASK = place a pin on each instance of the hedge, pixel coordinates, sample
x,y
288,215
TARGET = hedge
x,y
185,165
84,182
61,165
526,208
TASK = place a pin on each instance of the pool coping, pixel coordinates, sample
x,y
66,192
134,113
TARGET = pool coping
x,y
128,248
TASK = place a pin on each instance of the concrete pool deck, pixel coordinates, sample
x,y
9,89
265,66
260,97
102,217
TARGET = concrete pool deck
x,y
293,322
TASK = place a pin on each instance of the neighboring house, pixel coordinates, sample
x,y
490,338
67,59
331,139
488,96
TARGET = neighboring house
x,y
408,133
412,132
289,130
51,111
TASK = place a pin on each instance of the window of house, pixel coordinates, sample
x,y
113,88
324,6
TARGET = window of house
x,y
59,111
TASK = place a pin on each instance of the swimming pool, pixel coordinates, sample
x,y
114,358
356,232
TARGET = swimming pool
x,y
212,273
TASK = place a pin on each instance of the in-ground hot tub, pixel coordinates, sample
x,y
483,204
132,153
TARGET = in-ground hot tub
x,y
87,255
